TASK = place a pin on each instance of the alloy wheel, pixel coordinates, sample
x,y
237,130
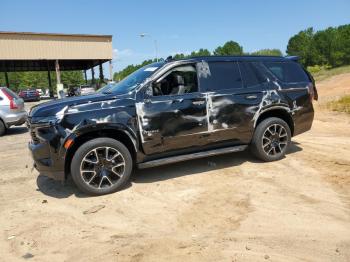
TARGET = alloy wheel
x,y
274,140
102,167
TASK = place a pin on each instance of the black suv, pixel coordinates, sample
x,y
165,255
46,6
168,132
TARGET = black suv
x,y
173,111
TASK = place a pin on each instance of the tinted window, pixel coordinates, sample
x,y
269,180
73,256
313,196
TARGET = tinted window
x,y
251,75
223,75
288,72
180,80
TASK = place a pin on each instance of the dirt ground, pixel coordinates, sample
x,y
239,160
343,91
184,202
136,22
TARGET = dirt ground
x,y
223,208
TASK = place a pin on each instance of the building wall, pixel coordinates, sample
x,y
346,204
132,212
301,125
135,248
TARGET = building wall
x,y
26,46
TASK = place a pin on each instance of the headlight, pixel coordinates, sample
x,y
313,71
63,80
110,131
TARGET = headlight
x,y
46,120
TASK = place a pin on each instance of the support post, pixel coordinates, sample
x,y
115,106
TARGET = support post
x,y
101,74
92,75
60,91
58,72
110,70
49,80
85,75
7,80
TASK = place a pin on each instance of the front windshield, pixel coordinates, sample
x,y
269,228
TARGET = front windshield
x,y
133,80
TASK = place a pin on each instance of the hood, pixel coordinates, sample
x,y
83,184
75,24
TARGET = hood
x,y
51,108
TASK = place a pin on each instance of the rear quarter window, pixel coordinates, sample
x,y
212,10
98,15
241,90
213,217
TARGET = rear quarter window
x,y
288,72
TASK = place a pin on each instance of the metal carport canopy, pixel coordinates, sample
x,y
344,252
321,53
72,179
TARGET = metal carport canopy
x,y
22,51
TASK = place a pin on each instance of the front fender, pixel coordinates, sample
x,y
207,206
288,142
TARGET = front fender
x,y
82,131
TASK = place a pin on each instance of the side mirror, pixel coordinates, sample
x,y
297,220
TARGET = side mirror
x,y
148,91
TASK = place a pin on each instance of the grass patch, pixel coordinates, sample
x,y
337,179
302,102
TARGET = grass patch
x,y
325,73
341,105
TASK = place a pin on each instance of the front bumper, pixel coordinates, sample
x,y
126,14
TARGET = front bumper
x,y
45,163
16,119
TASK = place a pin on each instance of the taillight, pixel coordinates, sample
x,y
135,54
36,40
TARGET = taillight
x,y
37,93
13,105
311,91
12,102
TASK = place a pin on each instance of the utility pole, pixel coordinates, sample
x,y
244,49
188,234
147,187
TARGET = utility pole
x,y
154,42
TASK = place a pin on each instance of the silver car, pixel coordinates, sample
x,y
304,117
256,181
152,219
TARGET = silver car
x,y
12,112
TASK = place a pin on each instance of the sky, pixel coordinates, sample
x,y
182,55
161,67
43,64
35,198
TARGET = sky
x,y
177,26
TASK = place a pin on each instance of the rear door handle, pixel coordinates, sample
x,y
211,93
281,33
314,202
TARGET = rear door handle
x,y
251,97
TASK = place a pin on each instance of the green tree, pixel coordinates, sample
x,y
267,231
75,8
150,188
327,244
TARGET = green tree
x,y
229,48
23,80
302,45
118,76
72,78
200,52
270,52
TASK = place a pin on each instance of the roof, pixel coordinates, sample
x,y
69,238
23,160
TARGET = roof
x,y
234,58
26,51
53,34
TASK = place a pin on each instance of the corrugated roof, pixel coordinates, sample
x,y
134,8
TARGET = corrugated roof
x,y
53,34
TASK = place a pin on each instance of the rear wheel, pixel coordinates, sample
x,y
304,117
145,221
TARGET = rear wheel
x,y
2,128
271,139
101,166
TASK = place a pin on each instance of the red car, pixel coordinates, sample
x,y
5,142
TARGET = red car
x,y
29,95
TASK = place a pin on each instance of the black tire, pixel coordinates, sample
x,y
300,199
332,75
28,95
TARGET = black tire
x,y
2,128
279,141
95,147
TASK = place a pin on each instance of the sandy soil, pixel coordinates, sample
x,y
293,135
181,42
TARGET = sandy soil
x,y
224,208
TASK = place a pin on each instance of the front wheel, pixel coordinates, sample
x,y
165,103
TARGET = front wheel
x,y
271,139
101,166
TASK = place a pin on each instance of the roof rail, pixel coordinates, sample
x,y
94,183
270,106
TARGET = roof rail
x,y
293,58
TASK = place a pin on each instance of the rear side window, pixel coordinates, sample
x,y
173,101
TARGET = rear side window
x,y
221,75
288,72
251,75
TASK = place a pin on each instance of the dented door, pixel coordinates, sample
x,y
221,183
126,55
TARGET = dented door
x,y
231,104
172,122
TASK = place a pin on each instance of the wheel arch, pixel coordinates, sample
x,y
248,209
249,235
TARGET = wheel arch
x,y
118,134
5,125
279,112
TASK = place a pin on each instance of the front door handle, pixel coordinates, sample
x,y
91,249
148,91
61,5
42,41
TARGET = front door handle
x,y
250,97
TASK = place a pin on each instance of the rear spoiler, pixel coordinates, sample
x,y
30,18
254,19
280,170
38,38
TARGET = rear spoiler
x,y
293,58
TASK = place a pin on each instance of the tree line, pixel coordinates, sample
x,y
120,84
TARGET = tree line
x,y
329,47
229,48
323,48
23,80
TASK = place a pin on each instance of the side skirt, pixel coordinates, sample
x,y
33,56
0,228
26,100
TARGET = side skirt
x,y
174,159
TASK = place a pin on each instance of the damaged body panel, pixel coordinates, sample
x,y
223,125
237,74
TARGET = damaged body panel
x,y
174,110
